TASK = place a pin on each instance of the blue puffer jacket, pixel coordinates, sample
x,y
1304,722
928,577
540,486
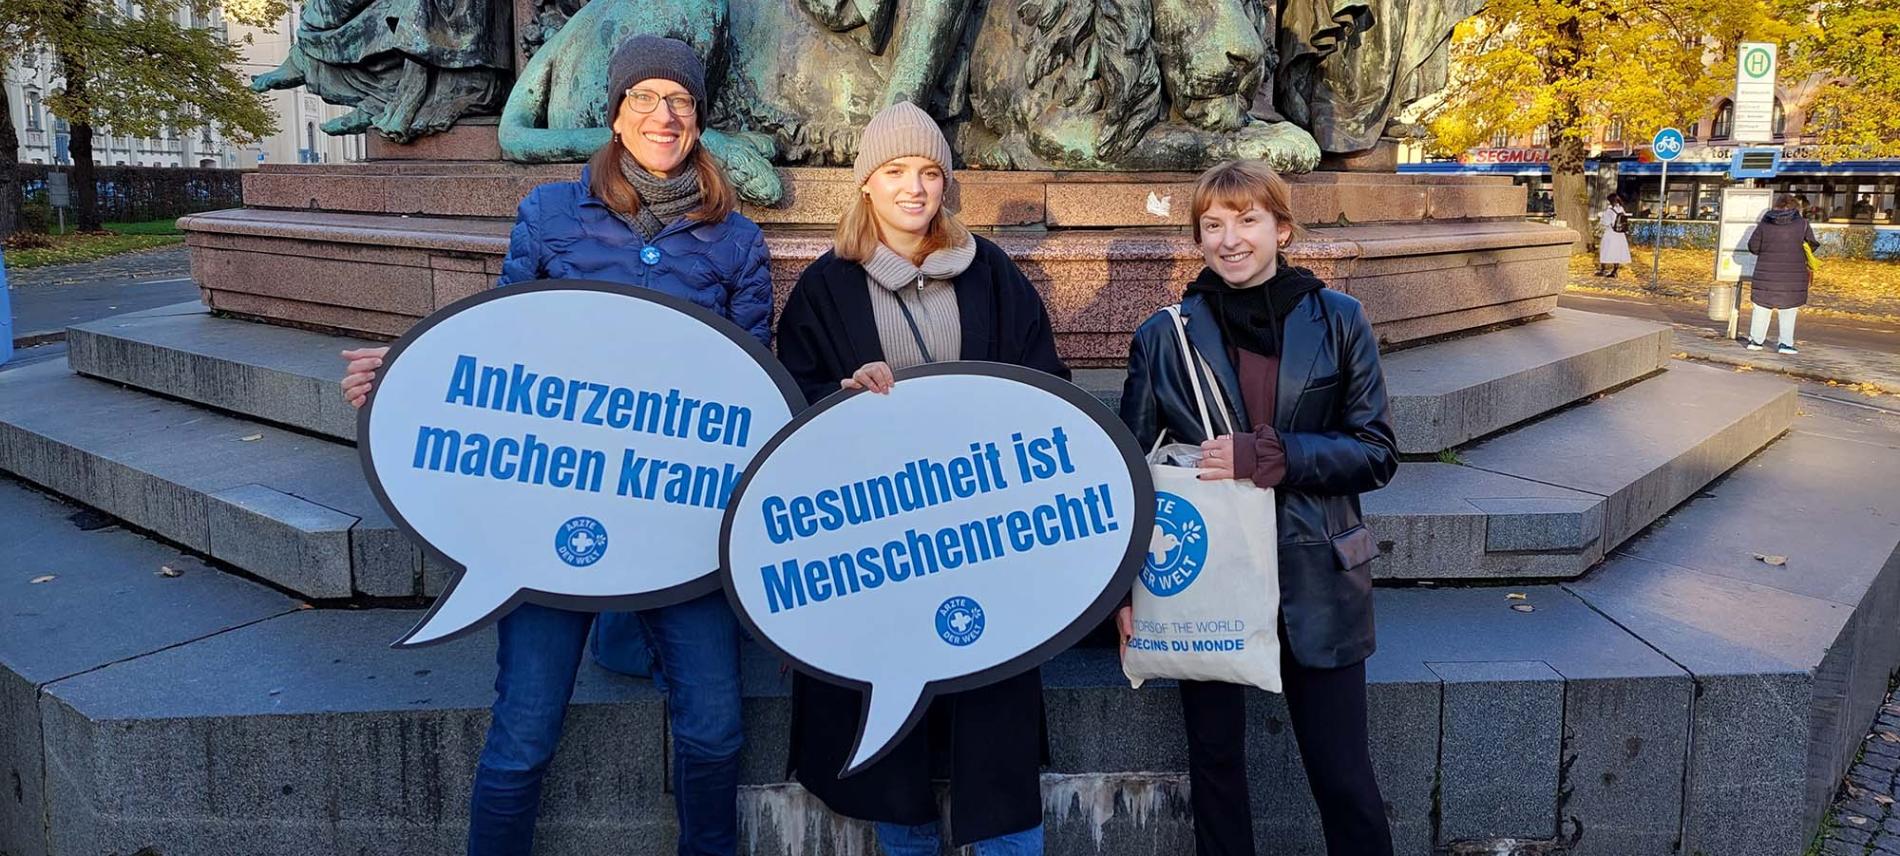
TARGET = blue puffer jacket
x,y
563,232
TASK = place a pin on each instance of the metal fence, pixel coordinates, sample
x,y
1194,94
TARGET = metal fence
x,y
134,193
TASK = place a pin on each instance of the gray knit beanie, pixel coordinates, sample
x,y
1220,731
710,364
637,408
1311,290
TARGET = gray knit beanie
x,y
654,57
903,130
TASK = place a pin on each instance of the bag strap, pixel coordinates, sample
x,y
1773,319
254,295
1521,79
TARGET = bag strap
x,y
1196,365
911,320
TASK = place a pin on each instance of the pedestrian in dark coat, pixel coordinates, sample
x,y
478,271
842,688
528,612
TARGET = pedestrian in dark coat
x,y
907,284
1781,243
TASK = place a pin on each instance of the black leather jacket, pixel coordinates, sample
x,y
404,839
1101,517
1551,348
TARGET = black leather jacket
x,y
1334,422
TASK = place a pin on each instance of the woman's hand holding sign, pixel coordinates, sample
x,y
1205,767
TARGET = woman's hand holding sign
x,y
360,373
875,377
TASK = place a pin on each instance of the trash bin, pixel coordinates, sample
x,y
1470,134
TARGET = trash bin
x,y
1721,301
6,316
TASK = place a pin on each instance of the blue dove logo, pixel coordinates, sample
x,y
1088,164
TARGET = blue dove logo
x,y
1177,549
960,621
580,542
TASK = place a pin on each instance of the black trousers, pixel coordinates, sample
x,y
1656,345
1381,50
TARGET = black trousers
x,y
1328,709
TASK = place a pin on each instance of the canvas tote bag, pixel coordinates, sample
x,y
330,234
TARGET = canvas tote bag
x,y
1207,601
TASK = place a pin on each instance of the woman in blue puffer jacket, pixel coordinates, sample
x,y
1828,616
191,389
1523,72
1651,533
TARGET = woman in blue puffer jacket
x,y
652,209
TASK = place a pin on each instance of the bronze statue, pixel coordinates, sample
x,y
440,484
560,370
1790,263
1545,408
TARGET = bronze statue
x,y
1020,84
1123,84
409,67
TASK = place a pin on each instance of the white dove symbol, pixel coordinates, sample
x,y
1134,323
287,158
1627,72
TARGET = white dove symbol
x,y
1161,545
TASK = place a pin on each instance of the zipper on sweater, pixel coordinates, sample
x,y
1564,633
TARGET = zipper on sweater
x,y
920,284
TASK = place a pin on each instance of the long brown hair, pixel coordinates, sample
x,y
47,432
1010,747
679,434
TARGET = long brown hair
x,y
856,238
605,181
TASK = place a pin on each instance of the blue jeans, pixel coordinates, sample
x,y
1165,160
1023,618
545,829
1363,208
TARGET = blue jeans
x,y
696,647
896,839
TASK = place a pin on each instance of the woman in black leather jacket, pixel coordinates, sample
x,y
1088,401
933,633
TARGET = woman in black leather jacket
x,y
1298,364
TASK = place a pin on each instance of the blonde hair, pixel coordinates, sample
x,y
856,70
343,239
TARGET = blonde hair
x,y
856,238
610,186
1240,185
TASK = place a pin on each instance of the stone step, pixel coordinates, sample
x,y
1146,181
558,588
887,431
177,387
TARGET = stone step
x,y
278,374
1444,522
1549,499
1443,394
290,508
1435,521
1647,447
1448,393
1550,718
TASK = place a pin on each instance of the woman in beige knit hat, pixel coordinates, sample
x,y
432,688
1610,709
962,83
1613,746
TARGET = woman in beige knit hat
x,y
906,284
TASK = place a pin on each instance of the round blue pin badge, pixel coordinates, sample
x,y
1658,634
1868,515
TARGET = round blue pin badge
x,y
650,255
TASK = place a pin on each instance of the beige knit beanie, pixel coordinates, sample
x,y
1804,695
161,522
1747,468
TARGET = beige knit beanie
x,y
904,130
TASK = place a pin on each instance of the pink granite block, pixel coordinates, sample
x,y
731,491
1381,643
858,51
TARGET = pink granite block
x,y
1399,297
470,139
1098,204
1382,203
451,285
350,252
1460,202
470,264
459,196
1414,330
367,286
327,192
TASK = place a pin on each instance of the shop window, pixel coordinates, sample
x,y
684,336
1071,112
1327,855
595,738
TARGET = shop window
x,y
1724,126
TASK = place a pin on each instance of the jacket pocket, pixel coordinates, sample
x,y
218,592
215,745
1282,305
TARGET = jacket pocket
x,y
1355,547
1326,382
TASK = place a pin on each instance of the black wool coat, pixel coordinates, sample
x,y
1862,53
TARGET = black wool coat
x,y
989,742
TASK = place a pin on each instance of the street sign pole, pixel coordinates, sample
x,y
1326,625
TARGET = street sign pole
x,y
1655,245
1665,146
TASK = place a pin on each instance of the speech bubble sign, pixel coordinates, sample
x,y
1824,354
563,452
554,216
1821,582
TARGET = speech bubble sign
x,y
963,529
568,443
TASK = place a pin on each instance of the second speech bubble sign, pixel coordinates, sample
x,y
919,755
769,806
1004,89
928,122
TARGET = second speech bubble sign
x,y
962,529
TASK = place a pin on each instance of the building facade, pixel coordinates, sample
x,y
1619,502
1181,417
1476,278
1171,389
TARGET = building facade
x,y
44,139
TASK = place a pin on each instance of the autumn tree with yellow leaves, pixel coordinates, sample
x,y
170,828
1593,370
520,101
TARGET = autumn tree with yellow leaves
x,y
1578,67
1853,46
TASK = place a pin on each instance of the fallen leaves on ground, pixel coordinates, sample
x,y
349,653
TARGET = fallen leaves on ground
x,y
45,579
1777,561
1853,288
1866,388
1516,595
249,437
169,571
1523,607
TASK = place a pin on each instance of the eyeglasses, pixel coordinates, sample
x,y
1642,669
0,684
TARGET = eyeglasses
x,y
644,101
